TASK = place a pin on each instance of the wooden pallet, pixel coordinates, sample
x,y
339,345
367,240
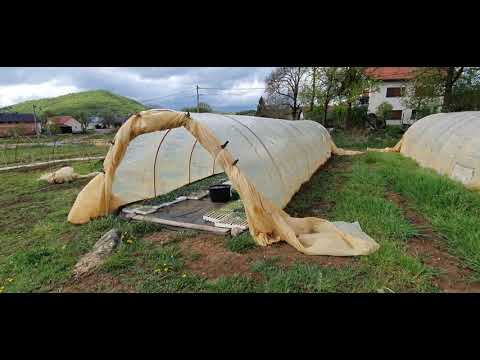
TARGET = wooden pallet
x,y
230,216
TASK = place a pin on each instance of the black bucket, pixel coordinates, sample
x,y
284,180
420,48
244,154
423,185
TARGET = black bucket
x,y
220,193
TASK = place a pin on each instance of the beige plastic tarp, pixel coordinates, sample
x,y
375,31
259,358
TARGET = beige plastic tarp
x,y
157,151
448,143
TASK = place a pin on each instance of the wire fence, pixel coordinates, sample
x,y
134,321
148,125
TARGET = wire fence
x,y
47,149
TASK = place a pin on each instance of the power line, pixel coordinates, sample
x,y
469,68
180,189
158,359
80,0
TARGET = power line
x,y
164,96
221,94
232,89
199,88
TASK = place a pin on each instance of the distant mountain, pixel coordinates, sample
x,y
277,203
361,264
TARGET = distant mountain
x,y
93,102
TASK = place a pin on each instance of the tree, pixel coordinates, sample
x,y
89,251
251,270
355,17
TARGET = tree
x,y
431,86
108,118
84,121
44,116
321,87
354,81
329,88
466,93
309,89
284,85
261,108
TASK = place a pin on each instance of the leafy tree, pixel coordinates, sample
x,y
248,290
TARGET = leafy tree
x,y
84,120
353,81
455,88
310,88
108,117
329,88
284,86
384,110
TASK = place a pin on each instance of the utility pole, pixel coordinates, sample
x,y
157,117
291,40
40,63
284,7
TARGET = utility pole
x,y
35,117
198,101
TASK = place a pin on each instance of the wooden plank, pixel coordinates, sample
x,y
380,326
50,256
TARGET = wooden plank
x,y
157,220
40,165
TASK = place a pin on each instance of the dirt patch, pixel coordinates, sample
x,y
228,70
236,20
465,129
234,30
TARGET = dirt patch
x,y
162,237
429,247
287,255
96,282
207,256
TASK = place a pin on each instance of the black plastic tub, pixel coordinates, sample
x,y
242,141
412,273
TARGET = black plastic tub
x,y
220,193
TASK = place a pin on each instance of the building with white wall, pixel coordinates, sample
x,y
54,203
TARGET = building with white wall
x,y
391,90
66,124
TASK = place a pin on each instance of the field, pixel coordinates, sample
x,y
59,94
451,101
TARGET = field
x,y
428,228
27,150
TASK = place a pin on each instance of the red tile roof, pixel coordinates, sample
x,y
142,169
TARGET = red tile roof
x,y
391,73
61,120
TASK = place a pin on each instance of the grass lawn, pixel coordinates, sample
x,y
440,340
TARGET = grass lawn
x,y
38,248
67,138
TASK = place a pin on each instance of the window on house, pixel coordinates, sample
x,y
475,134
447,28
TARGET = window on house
x,y
396,115
363,100
395,91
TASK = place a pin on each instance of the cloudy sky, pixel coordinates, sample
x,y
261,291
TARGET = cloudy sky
x,y
235,88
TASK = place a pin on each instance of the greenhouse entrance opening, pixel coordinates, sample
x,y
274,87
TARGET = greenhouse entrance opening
x,y
191,207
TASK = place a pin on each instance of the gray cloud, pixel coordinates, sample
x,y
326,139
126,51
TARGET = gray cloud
x,y
173,87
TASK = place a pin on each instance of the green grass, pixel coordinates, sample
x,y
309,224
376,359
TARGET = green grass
x,y
453,211
358,195
90,102
241,243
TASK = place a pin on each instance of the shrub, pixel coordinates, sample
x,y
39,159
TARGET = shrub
x,y
337,116
384,110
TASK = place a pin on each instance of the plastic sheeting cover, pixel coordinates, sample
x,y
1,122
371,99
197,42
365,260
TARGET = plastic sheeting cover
x,y
276,156
448,143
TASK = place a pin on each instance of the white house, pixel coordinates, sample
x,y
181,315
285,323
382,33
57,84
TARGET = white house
x,y
67,124
392,87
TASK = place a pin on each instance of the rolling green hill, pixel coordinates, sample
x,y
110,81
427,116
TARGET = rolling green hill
x,y
93,102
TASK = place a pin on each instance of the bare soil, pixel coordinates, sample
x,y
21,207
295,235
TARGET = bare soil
x,y
208,256
96,282
430,248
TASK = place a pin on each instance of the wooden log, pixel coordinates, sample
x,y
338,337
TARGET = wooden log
x,y
156,220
